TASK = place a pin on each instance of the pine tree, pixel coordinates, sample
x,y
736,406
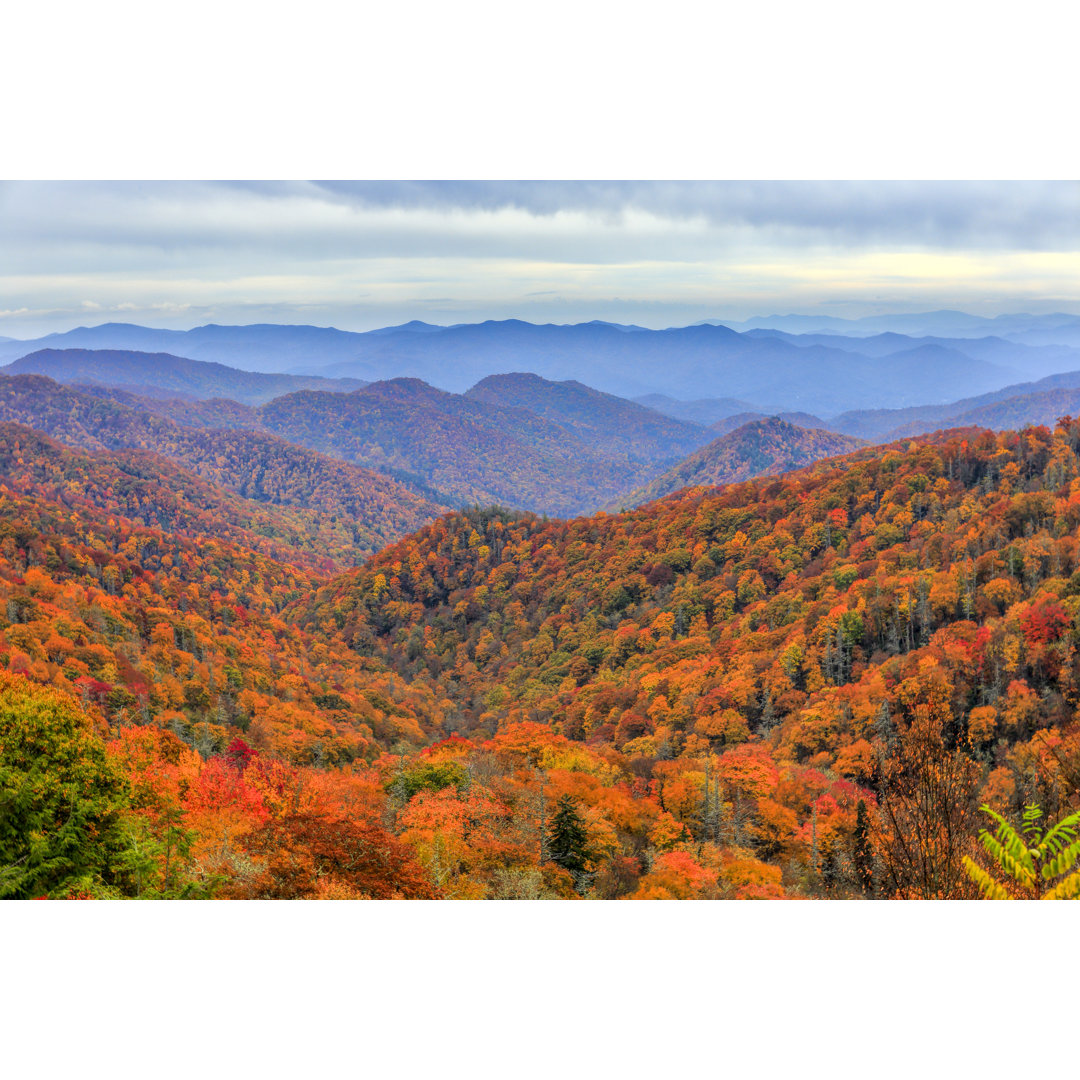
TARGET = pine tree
x,y
61,798
567,842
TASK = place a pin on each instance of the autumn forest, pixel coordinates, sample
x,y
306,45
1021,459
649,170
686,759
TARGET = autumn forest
x,y
239,661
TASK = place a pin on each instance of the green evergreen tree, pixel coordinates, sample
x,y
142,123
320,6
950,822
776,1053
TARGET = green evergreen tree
x,y
567,842
61,799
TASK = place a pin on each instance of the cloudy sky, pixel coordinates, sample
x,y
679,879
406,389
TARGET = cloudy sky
x,y
362,255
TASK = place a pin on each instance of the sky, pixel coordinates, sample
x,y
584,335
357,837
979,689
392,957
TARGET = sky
x,y
368,254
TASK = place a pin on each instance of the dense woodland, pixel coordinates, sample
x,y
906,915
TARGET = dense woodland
x,y
606,424
515,440
256,465
800,686
473,450
757,447
732,423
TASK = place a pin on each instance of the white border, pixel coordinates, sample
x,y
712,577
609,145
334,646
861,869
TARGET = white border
x,y
680,90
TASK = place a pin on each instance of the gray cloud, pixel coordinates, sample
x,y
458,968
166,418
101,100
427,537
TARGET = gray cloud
x,y
361,254
940,215
1015,214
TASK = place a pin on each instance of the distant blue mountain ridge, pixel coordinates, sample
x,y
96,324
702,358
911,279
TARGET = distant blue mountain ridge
x,y
1055,328
826,370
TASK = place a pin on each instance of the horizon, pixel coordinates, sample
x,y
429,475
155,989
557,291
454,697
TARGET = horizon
x,y
365,255
716,321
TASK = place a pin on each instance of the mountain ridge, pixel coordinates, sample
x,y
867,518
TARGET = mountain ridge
x,y
167,372
764,447
773,373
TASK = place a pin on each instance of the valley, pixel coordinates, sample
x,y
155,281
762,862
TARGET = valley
x,y
532,639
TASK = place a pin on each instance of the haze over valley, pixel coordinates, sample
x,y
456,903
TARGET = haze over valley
x,y
524,434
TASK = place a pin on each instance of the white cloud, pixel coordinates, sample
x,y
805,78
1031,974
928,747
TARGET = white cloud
x,y
361,255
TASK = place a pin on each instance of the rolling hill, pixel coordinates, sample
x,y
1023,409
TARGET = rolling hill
x,y
880,424
256,465
608,425
162,373
473,450
733,423
760,448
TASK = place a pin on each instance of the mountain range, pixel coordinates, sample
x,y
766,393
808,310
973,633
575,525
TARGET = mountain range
x,y
240,659
684,362
162,373
447,448
826,371
1055,328
515,440
1040,402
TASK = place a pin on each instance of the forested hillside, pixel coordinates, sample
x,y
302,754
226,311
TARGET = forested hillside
x,y
898,630
472,450
163,372
446,448
95,558
733,423
762,447
608,425
152,491
794,686
144,666
256,465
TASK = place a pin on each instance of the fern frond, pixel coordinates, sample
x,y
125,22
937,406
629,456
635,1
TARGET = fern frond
x,y
988,888
1021,854
1002,823
1012,858
1066,889
1032,813
1064,832
1062,862
1010,841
